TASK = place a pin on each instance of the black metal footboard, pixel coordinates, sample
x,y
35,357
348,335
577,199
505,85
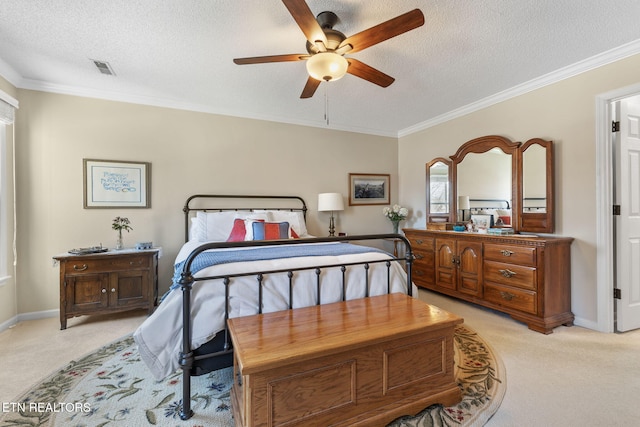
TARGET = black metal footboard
x,y
219,353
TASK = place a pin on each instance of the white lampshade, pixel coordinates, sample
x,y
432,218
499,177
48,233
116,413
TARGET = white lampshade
x,y
330,202
325,66
463,202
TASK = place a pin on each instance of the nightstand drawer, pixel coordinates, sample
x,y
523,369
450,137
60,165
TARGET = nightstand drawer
x,y
106,264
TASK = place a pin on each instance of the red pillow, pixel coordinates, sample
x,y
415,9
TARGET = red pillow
x,y
238,231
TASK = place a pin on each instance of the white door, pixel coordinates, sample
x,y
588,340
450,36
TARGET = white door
x,y
628,222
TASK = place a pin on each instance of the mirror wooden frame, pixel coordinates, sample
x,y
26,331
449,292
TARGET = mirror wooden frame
x,y
437,217
534,222
537,222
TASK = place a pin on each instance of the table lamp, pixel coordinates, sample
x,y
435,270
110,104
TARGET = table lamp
x,y
330,202
463,204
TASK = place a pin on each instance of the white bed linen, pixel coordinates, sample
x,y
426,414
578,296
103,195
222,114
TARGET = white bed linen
x,y
159,338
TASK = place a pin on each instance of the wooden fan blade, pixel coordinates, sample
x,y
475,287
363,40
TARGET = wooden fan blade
x,y
385,31
306,21
310,88
272,58
364,71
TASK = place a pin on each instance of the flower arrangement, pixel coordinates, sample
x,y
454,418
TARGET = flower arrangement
x,y
119,224
396,213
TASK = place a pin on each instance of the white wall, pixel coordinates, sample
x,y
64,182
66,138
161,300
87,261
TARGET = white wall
x,y
8,305
563,112
190,153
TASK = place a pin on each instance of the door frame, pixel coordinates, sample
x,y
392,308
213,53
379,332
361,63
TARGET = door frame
x,y
604,205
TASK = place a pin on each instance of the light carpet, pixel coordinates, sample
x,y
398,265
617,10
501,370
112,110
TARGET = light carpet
x,y
112,386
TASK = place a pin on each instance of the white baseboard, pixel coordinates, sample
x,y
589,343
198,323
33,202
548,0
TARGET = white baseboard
x,y
588,324
34,315
9,323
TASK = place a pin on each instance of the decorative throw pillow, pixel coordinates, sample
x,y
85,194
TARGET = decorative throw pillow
x,y
238,231
270,230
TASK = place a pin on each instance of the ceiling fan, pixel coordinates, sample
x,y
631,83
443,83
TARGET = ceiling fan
x,y
326,47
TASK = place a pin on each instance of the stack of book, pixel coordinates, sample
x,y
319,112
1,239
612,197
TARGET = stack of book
x,y
500,231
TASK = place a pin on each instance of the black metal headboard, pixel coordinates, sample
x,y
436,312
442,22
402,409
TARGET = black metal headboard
x,y
491,204
217,203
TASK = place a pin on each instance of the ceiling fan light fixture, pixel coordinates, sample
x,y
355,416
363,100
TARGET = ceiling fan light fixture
x,y
327,66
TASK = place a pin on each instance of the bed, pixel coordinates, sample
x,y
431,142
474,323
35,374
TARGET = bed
x,y
499,209
241,260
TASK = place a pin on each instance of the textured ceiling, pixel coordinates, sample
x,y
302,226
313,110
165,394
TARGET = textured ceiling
x,y
178,53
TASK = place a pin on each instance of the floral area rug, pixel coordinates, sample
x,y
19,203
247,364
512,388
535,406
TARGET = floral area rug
x,y
112,387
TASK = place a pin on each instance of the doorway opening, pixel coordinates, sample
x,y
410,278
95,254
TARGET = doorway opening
x,y
605,185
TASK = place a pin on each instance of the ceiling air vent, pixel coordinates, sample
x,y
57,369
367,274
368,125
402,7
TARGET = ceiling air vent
x,y
104,67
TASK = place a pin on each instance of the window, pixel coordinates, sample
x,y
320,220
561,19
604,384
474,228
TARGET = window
x,y
4,237
8,104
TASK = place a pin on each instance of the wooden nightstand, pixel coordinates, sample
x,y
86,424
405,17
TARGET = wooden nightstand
x,y
107,282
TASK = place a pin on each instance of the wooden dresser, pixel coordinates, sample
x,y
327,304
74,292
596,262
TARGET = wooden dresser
x,y
107,282
361,362
527,277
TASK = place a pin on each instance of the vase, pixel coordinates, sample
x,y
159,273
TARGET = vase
x,y
119,244
395,223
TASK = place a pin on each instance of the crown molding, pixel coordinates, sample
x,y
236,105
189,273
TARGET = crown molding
x,y
572,70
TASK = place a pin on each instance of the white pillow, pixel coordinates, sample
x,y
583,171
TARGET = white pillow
x,y
194,229
295,220
215,226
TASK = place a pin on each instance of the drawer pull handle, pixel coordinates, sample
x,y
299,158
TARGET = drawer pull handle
x,y
104,291
419,241
505,252
418,272
506,295
418,256
113,290
82,268
507,273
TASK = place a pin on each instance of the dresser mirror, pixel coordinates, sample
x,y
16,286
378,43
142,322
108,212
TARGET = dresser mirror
x,y
536,164
491,175
439,197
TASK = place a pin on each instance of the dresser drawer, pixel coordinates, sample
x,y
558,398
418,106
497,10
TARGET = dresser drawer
x,y
510,274
422,271
511,254
420,242
507,296
106,264
423,258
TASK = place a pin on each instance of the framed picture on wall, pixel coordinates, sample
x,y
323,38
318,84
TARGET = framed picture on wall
x,y
116,184
369,189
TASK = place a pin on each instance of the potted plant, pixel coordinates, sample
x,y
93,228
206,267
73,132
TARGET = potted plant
x,y
119,224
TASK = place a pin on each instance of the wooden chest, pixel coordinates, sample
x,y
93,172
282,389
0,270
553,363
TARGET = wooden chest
x,y
359,362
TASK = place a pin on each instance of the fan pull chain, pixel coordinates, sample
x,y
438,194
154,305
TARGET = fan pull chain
x,y
326,103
